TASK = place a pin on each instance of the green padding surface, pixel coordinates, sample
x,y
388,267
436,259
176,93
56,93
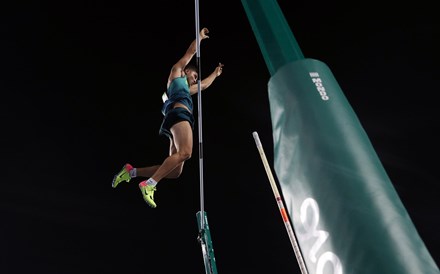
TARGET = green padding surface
x,y
345,211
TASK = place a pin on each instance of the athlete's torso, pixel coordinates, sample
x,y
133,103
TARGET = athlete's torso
x,y
178,92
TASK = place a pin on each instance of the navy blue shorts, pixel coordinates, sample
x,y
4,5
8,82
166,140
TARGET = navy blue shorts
x,y
174,116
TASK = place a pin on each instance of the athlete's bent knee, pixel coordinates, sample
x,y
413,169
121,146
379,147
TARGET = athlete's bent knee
x,y
185,155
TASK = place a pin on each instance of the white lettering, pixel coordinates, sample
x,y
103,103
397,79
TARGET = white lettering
x,y
329,257
319,86
309,217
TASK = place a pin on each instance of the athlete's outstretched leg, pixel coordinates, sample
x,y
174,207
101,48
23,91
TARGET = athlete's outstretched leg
x,y
182,148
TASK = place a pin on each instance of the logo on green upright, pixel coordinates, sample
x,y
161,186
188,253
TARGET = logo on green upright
x,y
319,86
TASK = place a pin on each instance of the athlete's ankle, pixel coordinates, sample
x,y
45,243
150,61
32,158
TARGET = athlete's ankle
x,y
133,172
151,182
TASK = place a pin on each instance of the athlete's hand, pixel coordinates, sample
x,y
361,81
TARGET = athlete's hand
x,y
219,69
204,33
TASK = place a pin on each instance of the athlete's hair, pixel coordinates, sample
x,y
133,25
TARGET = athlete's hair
x,y
192,67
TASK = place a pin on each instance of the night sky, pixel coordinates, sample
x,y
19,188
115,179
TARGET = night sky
x,y
81,96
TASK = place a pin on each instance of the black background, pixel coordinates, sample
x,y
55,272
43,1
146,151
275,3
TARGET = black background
x,y
81,96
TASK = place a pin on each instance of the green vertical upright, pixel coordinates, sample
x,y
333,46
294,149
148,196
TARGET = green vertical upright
x,y
273,34
345,212
206,243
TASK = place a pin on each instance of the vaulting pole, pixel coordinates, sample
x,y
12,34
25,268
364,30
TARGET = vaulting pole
x,y
199,104
204,236
280,203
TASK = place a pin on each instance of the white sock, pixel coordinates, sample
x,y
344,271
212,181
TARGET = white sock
x,y
133,173
151,182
